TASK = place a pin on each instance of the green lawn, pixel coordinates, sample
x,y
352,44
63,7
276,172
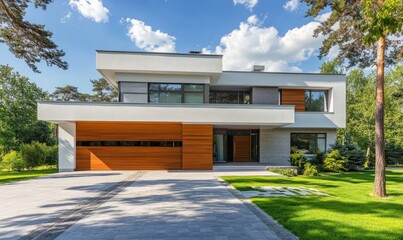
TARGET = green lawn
x,y
350,213
6,177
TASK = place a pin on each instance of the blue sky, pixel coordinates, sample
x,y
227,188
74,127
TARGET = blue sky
x,y
273,33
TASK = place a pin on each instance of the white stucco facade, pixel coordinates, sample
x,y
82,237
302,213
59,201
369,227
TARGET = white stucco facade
x,y
67,146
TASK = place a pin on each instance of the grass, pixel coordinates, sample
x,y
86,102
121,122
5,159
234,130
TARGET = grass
x,y
350,213
7,177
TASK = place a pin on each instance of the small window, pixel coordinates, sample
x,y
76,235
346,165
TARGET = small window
x,y
315,101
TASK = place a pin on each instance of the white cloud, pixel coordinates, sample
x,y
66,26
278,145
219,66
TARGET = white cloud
x,y
252,44
66,17
92,9
247,3
291,5
323,17
146,39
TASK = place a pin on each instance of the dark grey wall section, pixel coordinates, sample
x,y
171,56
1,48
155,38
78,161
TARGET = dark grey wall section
x,y
133,92
206,93
265,95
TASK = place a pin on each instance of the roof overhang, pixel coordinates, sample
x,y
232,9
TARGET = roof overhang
x,y
108,63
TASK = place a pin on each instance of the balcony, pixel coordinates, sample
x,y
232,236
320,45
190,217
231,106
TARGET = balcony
x,y
215,114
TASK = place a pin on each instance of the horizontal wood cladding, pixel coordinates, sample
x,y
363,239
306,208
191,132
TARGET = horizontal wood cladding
x,y
128,131
129,158
294,97
197,147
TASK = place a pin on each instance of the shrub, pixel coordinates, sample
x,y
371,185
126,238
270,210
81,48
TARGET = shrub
x,y
52,155
297,159
34,154
352,152
12,161
394,153
283,171
310,170
334,162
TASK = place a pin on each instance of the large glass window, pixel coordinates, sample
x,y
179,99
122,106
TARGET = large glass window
x,y
308,143
229,97
175,93
315,101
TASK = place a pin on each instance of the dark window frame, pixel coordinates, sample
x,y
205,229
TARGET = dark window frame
x,y
182,91
308,108
316,138
239,93
128,143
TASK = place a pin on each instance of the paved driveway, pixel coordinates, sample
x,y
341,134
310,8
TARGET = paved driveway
x,y
157,205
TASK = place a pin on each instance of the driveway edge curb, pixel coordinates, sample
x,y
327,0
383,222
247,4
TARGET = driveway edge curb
x,y
277,228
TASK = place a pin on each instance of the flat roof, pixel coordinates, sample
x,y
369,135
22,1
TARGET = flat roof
x,y
161,53
305,73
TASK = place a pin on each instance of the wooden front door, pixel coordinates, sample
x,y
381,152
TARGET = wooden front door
x,y
241,148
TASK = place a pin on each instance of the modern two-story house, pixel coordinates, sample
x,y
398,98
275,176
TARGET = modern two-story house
x,y
182,111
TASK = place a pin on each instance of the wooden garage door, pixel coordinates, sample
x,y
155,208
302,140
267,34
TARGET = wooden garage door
x,y
128,157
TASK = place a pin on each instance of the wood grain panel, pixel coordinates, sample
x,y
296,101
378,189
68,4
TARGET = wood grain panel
x,y
197,147
129,158
294,97
128,131
242,149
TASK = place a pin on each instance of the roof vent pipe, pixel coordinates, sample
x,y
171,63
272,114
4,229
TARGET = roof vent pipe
x,y
194,52
258,68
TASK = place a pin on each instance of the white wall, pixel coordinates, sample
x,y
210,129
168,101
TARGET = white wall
x,y
67,146
162,78
275,143
229,114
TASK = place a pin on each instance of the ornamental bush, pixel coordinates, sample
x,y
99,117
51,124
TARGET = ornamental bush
x,y
12,161
310,170
352,152
335,162
297,159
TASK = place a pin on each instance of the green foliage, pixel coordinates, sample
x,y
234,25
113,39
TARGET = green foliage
x,y
283,171
28,41
310,170
103,91
352,152
355,27
360,117
331,67
18,117
12,161
34,154
69,93
52,155
318,158
297,159
334,162
394,153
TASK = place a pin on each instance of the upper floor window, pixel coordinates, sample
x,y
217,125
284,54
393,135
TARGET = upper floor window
x,y
315,101
230,97
175,93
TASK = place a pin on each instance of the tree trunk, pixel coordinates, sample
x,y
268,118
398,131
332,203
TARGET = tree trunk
x,y
380,180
